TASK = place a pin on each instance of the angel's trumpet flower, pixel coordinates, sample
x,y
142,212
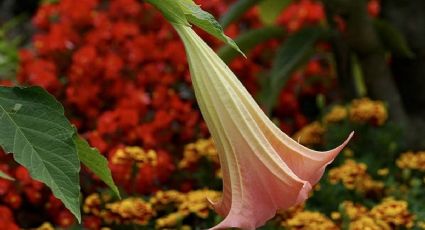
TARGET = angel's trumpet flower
x,y
263,169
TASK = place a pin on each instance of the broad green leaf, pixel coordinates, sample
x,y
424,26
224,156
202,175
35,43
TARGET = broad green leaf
x,y
205,21
270,10
393,39
236,10
292,53
35,130
97,163
171,10
5,176
249,40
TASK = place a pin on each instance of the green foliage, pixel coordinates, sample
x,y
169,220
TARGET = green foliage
x,y
236,10
36,131
270,10
358,77
97,163
392,39
249,40
205,21
385,144
5,176
185,11
9,50
377,154
292,53
171,10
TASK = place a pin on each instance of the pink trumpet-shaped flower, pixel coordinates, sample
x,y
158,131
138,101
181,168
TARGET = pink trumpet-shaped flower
x,y
263,169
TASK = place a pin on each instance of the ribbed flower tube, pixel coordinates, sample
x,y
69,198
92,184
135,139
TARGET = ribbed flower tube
x,y
263,169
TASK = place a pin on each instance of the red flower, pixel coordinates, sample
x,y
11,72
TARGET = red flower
x,y
92,222
40,72
374,8
301,13
6,219
13,200
65,219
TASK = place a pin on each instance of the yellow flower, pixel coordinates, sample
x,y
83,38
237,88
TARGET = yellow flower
x,y
194,151
393,212
135,154
354,176
368,223
162,198
170,220
92,204
130,210
337,114
335,215
197,203
367,111
194,202
411,160
46,226
311,134
263,169
383,171
308,220
353,211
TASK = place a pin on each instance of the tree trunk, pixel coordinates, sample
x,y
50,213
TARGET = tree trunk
x,y
409,18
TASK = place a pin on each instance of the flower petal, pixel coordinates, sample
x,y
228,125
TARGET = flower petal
x,y
263,169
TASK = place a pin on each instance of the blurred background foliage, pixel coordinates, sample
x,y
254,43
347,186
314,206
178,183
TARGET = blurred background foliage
x,y
319,69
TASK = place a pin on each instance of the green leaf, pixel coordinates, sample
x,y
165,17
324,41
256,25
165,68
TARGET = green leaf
x,y
249,40
35,130
185,11
5,176
358,77
236,10
292,53
97,163
270,10
393,39
205,21
171,10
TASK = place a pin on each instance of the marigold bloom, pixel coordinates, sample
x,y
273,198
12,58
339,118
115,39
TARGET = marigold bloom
x,y
354,211
393,212
128,211
263,169
336,114
309,220
411,160
365,110
311,134
354,176
366,222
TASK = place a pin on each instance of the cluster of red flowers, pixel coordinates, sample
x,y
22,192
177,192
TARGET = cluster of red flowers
x,y
6,218
309,12
122,78
120,71
301,13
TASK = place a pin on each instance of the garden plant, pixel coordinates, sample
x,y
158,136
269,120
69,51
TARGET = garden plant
x,y
219,114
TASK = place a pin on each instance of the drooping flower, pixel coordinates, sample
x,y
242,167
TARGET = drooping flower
x,y
263,169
